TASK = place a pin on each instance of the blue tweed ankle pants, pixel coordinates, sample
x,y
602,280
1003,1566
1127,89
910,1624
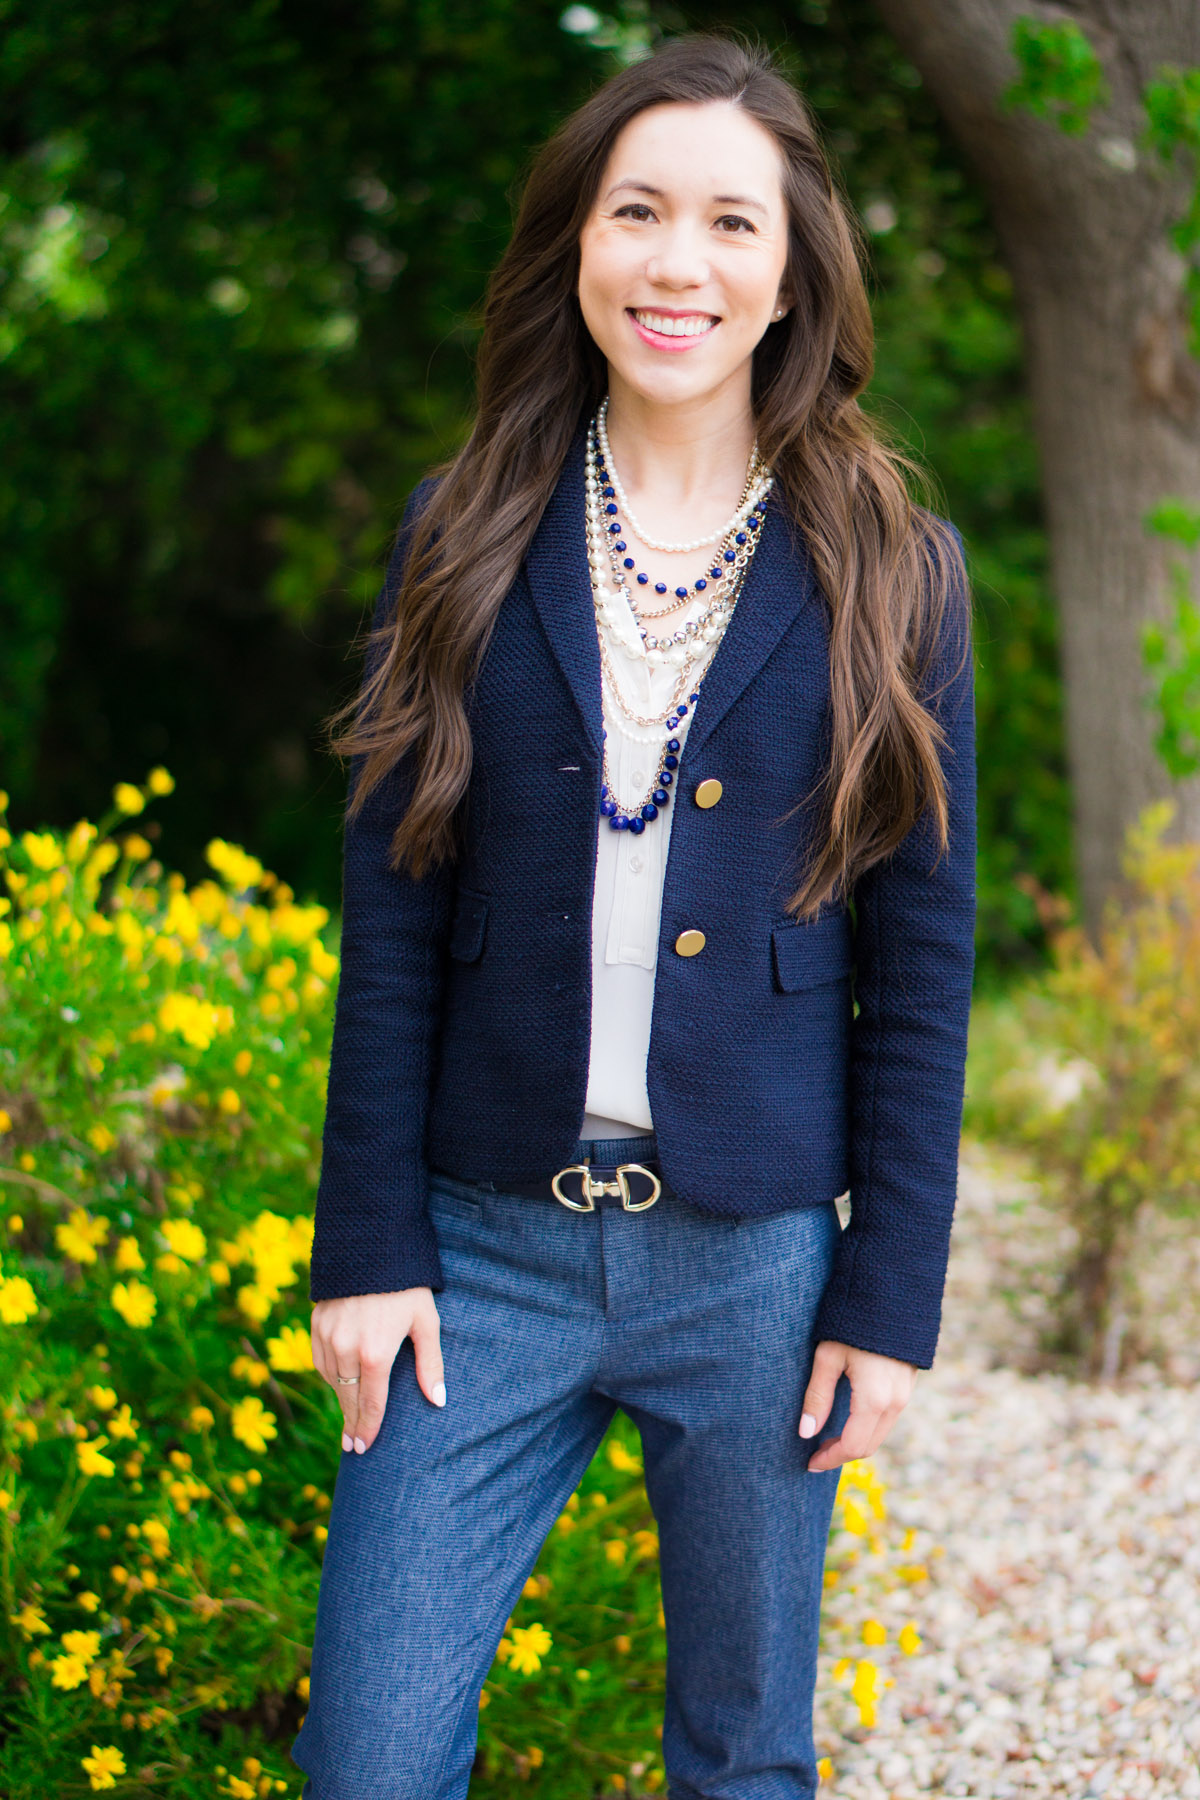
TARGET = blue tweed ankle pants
x,y
701,1330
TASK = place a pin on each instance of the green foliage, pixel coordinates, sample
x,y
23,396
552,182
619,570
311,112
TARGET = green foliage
x,y
1061,76
1172,653
1102,1081
1173,127
163,1051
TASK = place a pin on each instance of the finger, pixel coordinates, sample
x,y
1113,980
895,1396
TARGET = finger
x,y
371,1395
828,1362
426,1334
346,1359
862,1433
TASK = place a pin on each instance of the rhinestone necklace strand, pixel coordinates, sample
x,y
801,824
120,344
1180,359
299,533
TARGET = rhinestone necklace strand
x,y
611,594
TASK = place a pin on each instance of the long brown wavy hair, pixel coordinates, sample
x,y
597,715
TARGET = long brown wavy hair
x,y
884,563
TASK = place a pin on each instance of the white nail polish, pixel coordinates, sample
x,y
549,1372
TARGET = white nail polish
x,y
808,1425
359,1445
347,1441
439,1394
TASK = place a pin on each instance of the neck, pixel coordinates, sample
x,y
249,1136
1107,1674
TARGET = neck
x,y
693,452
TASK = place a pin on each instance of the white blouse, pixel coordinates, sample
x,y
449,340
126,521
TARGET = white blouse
x,y
629,882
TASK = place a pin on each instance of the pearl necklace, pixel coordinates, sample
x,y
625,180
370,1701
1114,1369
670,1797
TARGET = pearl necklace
x,y
755,467
605,544
683,648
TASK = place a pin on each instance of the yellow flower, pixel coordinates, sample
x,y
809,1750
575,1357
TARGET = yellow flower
x,y
841,1668
196,1021
135,847
88,1600
103,1765
825,1768
910,1640
29,1619
5,1121
621,1459
252,1424
82,1643
18,1302
255,1301
249,1368
42,848
240,871
529,1644
135,1302
100,1138
863,1691
91,1461
103,1398
240,1790
159,782
302,1687
291,1351
187,1240
219,1273
874,1632
913,1572
229,1101
123,1424
79,1236
67,1671
201,1418
128,799
128,1256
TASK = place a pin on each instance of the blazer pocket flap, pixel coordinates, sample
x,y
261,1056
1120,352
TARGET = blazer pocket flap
x,y
470,924
806,955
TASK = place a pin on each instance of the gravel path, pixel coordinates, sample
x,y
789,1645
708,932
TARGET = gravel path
x,y
1060,1522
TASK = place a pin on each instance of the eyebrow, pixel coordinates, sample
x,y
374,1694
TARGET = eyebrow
x,y
644,187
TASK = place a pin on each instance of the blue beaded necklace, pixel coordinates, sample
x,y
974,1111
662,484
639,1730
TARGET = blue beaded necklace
x,y
728,567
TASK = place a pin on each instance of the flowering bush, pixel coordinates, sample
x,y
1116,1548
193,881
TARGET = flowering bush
x,y
163,1052
1103,1085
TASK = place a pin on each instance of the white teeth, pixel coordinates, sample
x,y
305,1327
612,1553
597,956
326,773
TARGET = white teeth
x,y
695,325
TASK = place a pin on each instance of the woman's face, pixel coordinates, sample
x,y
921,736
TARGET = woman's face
x,y
684,251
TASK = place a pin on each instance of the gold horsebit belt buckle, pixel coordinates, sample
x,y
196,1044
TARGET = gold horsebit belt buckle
x,y
593,1189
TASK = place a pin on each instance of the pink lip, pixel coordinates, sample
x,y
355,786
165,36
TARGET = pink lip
x,y
659,341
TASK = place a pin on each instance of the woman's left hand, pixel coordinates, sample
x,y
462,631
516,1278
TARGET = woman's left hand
x,y
880,1388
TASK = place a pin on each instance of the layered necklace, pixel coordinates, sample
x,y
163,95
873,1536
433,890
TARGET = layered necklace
x,y
618,585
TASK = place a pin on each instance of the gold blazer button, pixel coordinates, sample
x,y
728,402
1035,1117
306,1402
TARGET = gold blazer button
x,y
708,793
690,943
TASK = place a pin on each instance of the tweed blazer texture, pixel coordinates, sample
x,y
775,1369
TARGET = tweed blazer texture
x,y
789,1062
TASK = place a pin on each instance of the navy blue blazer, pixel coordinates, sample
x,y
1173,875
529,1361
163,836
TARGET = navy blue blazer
x,y
788,1061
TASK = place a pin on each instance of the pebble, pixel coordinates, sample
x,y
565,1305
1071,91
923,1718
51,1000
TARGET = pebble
x,y
1060,1522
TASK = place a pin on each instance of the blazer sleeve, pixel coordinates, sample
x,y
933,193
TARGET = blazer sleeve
x,y
914,966
372,1231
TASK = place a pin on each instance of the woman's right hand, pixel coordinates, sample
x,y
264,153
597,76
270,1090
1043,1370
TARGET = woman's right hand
x,y
359,1334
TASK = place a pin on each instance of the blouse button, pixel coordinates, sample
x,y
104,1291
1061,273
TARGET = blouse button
x,y
636,864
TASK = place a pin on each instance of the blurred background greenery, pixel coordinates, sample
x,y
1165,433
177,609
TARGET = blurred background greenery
x,y
243,247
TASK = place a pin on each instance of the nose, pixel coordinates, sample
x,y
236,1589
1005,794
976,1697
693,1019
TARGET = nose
x,y
680,258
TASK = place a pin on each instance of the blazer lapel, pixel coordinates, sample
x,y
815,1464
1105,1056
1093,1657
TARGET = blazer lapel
x,y
556,566
778,583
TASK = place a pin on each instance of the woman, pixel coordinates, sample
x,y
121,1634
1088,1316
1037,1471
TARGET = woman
x,y
600,1100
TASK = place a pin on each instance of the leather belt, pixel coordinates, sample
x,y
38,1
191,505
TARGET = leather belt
x,y
582,1187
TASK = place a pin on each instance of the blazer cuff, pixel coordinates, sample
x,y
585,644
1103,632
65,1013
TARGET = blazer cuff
x,y
345,1264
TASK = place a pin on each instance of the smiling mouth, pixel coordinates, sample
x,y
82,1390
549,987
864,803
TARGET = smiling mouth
x,y
689,325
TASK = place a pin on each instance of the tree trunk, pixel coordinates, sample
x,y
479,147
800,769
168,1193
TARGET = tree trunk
x,y
1082,222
